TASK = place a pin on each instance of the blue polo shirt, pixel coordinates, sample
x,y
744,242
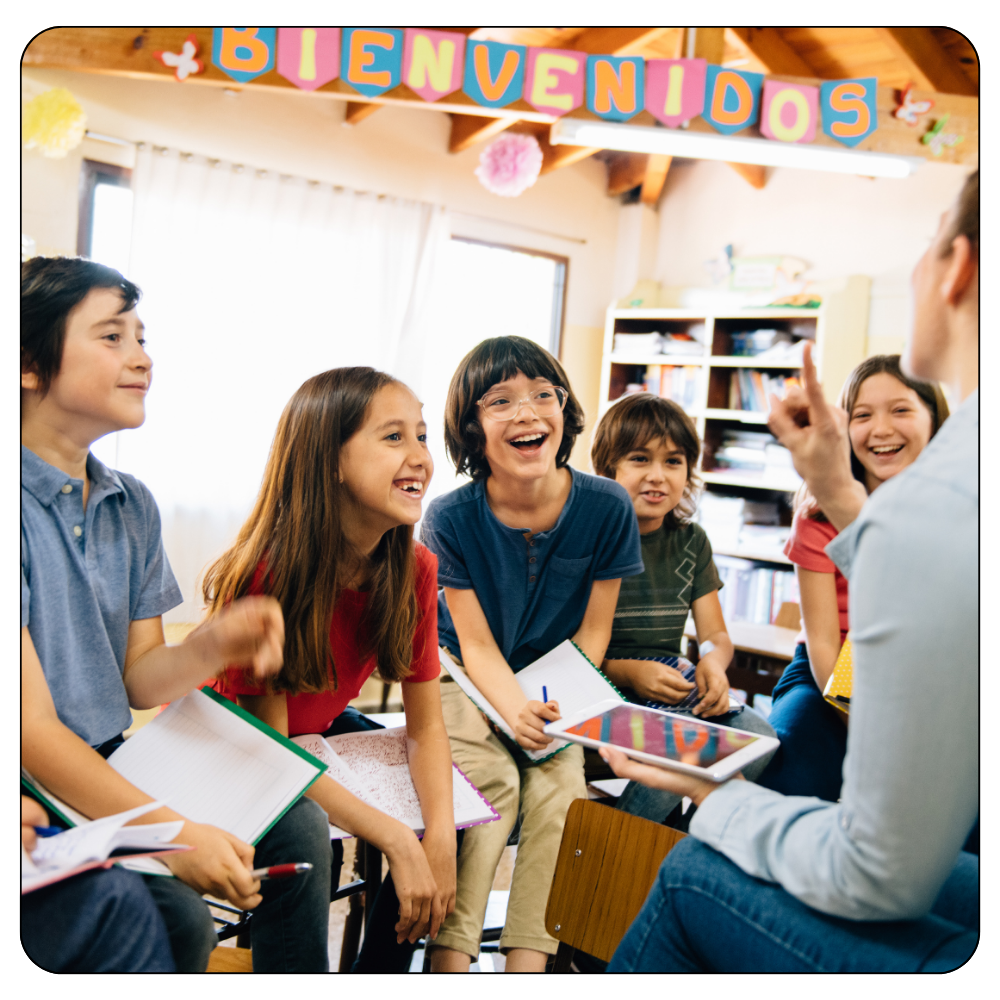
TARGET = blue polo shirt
x,y
85,575
533,593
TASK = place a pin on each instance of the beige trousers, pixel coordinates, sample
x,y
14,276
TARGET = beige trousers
x,y
541,793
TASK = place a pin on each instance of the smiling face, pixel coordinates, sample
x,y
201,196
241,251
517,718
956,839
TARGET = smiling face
x,y
889,427
386,466
105,372
525,447
654,476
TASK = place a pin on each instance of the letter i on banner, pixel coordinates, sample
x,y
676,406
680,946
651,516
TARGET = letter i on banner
x,y
243,53
789,112
494,73
371,59
433,62
848,109
615,86
675,89
554,80
732,99
309,57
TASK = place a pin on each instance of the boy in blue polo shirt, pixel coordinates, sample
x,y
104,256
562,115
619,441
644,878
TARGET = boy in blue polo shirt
x,y
95,582
530,553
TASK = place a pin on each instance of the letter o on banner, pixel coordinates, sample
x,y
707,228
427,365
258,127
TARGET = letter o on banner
x,y
732,99
243,53
789,112
849,110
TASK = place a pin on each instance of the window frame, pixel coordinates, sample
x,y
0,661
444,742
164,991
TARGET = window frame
x,y
93,173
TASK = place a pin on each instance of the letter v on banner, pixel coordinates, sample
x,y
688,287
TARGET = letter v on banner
x,y
494,73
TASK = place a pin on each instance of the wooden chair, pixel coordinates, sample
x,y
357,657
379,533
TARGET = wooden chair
x,y
607,863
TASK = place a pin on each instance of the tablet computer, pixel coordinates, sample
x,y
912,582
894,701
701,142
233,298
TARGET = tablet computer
x,y
664,739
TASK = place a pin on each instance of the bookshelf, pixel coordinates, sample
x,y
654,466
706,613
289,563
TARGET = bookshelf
x,y
717,376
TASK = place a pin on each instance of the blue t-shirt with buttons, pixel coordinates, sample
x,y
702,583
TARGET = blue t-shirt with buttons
x,y
85,575
533,593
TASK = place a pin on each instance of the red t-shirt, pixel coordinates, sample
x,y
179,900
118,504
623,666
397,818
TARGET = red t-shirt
x,y
313,713
805,547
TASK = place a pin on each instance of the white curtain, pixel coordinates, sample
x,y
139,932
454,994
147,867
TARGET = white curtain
x,y
252,282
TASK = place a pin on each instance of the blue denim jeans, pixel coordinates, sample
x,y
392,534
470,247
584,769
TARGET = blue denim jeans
x,y
657,804
704,914
100,921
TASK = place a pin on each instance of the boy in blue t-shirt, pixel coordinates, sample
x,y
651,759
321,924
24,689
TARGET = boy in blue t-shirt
x,y
95,582
531,553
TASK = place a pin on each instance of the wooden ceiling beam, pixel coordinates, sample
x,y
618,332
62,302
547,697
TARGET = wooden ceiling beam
x,y
557,157
358,112
932,66
769,49
617,41
467,130
655,178
753,173
625,171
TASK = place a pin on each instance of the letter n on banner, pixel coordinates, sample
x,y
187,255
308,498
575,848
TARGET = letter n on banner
x,y
243,53
309,57
554,81
789,112
848,109
371,59
615,86
433,62
675,89
494,73
732,99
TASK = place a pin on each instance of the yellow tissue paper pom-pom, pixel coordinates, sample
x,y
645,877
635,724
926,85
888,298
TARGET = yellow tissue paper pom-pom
x,y
53,122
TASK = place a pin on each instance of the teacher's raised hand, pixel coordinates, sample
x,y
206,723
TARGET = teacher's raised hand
x,y
816,434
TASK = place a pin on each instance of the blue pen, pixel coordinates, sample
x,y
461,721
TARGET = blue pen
x,y
48,831
545,694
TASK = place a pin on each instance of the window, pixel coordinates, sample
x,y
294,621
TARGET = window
x,y
105,227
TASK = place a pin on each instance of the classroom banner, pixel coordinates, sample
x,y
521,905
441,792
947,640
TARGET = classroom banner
x,y
615,86
309,57
371,59
243,53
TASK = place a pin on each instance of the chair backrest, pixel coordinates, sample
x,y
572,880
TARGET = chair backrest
x,y
607,862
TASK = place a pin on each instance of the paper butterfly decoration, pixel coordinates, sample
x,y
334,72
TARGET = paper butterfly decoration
x,y
908,110
184,62
940,140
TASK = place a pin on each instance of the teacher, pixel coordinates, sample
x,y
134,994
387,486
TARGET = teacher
x,y
878,882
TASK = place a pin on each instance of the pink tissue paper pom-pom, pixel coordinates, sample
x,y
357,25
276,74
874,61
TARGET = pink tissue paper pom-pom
x,y
510,164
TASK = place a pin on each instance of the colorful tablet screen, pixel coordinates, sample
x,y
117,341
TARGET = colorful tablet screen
x,y
674,737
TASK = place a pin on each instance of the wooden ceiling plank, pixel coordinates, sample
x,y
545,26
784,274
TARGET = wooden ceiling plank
x,y
656,177
467,130
618,41
932,66
768,47
625,171
557,157
753,173
709,43
358,111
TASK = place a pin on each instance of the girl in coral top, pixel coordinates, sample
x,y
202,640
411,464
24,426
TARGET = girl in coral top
x,y
331,537
891,418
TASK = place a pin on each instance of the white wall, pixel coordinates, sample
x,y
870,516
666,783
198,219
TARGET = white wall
x,y
839,224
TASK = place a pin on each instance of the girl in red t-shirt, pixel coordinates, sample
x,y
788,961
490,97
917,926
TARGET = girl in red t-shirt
x,y
331,537
891,418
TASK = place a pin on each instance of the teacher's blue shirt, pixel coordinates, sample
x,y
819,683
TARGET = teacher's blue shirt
x,y
533,593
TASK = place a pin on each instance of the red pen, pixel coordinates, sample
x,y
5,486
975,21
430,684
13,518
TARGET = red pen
x,y
281,871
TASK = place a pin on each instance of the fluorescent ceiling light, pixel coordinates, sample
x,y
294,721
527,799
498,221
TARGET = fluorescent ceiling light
x,y
705,146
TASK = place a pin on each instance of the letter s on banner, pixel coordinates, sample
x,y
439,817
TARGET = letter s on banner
x,y
848,109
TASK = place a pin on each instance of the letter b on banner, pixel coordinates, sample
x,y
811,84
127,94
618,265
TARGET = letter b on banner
x,y
848,109
243,53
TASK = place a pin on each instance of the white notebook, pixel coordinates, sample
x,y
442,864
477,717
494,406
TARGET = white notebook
x,y
565,673
373,765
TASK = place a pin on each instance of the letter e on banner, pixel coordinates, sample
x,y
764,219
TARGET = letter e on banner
x,y
243,53
732,99
433,62
675,89
848,109
554,80
615,86
494,73
789,112
371,59
309,57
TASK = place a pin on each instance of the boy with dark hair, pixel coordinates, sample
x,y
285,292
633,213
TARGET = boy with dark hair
x,y
95,582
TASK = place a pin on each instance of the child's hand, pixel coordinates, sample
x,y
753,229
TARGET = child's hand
x,y
528,729
32,815
416,889
713,686
440,850
249,632
657,681
219,865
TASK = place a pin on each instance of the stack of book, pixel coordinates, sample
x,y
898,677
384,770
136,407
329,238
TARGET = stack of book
x,y
756,453
676,382
749,389
754,593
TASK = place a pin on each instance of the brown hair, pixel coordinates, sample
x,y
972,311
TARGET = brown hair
x,y
637,419
929,393
966,216
296,531
488,363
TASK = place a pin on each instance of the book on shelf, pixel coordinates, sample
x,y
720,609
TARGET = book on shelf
x,y
753,593
679,383
750,390
755,452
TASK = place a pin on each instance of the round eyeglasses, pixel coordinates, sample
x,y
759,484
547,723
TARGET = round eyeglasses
x,y
546,402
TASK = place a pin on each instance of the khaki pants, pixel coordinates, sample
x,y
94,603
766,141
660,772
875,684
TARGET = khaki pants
x,y
542,794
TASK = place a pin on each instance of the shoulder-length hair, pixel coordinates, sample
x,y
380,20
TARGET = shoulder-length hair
x,y
295,532
634,421
488,363
929,393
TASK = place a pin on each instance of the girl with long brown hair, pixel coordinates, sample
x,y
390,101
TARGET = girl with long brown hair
x,y
331,538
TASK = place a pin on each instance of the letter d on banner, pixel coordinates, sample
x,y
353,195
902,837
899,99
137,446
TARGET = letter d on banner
x,y
243,53
732,99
